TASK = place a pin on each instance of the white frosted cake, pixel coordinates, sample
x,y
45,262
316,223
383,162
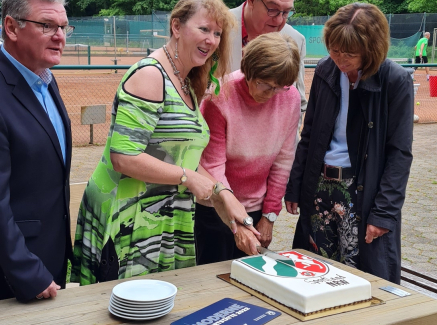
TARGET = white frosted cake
x,y
304,284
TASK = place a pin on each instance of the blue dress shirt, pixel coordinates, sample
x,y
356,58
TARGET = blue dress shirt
x,y
338,154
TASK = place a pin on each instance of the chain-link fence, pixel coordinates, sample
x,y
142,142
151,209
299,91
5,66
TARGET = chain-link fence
x,y
123,34
84,88
81,89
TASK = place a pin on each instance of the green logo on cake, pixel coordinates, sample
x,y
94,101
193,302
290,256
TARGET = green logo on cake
x,y
296,265
273,267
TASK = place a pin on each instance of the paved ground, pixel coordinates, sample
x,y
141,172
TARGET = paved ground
x,y
419,224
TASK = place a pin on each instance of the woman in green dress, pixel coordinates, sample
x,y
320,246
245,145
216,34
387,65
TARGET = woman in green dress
x,y
137,212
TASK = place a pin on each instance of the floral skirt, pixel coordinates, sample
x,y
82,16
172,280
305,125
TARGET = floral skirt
x,y
334,226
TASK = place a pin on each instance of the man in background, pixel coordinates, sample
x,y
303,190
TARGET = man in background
x,y
257,17
420,47
35,151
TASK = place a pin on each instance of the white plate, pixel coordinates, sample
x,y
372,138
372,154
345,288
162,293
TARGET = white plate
x,y
140,310
137,307
144,290
138,317
134,304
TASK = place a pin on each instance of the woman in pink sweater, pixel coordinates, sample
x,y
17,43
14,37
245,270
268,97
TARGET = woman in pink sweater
x,y
253,126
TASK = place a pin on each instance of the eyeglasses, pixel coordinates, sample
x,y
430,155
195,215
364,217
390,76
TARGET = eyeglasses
x,y
261,86
348,56
51,29
275,12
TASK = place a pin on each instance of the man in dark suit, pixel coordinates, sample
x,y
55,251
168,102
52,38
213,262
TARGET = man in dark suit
x,y
35,151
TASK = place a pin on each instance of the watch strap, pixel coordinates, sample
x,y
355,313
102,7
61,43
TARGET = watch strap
x,y
183,177
218,187
271,216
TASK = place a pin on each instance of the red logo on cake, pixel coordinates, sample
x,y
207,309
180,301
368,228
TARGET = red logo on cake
x,y
305,265
306,273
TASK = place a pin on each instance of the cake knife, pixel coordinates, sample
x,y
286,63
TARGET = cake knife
x,y
277,257
282,258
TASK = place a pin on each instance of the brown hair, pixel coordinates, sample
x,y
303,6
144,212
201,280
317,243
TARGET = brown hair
x,y
359,28
271,56
218,11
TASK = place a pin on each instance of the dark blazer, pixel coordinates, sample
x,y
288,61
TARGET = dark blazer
x,y
380,148
34,189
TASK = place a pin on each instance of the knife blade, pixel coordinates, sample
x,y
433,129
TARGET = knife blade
x,y
277,257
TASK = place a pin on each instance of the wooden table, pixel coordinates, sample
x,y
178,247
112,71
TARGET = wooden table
x,y
199,287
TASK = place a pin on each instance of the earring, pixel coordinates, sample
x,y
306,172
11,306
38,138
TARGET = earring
x,y
176,54
215,56
213,80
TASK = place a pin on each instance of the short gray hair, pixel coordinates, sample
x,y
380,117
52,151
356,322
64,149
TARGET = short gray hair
x,y
20,9
271,57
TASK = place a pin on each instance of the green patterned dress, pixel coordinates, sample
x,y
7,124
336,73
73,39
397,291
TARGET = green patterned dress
x,y
148,226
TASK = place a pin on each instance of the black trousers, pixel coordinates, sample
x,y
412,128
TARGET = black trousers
x,y
5,290
214,240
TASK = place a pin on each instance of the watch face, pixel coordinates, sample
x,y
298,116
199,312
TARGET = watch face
x,y
271,216
183,178
218,187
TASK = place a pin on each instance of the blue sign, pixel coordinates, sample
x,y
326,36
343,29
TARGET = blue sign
x,y
229,312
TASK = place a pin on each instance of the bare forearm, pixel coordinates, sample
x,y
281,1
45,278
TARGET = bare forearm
x,y
151,170
147,168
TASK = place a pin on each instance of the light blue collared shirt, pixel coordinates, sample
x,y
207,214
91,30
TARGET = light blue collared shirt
x,y
39,85
338,154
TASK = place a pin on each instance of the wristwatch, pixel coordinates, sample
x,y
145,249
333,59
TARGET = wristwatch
x,y
218,187
271,216
183,177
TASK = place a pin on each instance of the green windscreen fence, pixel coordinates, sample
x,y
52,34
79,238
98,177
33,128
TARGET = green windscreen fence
x,y
314,40
133,33
139,34
399,47
403,47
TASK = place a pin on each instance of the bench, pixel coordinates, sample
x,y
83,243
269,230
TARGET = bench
x,y
421,280
150,50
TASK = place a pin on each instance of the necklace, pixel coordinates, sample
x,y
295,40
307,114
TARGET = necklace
x,y
184,82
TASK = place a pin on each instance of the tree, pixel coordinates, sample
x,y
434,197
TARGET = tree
x,y
422,5
303,7
324,7
312,8
394,6
118,7
126,7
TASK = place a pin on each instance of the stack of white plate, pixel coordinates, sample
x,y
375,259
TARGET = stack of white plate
x,y
142,299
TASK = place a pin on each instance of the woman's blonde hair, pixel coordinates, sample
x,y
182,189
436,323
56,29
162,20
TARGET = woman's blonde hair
x,y
217,10
272,56
359,28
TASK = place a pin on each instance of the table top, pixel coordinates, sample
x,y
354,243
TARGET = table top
x,y
199,287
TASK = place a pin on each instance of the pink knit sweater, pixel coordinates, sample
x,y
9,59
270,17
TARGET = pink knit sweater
x,y
252,145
